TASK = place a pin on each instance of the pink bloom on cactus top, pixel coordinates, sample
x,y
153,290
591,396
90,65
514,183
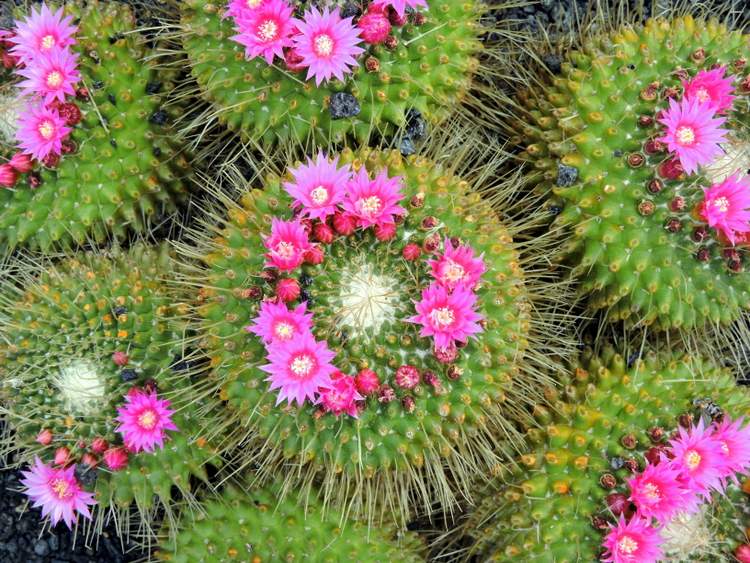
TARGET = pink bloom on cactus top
x,y
374,202
735,445
52,76
286,245
41,33
699,457
400,6
241,9
711,86
276,323
41,131
143,421
58,492
457,267
693,133
726,206
327,44
318,186
265,31
342,396
299,368
658,493
633,541
447,317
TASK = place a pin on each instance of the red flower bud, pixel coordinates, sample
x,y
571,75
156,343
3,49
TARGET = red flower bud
x,y
44,437
288,289
407,377
99,445
344,224
8,176
374,27
411,252
385,232
367,381
314,255
62,456
120,358
323,233
21,163
116,458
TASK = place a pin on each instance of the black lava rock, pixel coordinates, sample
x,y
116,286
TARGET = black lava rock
x,y
350,10
343,105
552,62
406,146
128,375
159,117
416,126
566,175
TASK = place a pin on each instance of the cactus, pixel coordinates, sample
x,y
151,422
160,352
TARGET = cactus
x,y
127,166
633,211
78,338
253,525
553,504
424,66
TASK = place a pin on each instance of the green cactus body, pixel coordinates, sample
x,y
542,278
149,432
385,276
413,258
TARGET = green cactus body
x,y
429,70
549,507
427,436
125,168
60,335
635,234
253,526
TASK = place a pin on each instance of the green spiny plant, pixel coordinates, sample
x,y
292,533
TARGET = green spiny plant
x,y
77,337
606,420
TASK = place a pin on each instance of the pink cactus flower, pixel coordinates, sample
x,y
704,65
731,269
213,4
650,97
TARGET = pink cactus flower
x,y
447,317
41,33
266,30
634,541
276,323
57,492
287,245
327,44
400,5
700,458
342,396
144,420
726,206
41,131
711,86
299,368
693,133
318,186
735,446
658,493
52,76
457,267
374,202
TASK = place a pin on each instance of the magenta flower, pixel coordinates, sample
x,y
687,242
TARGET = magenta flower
x,y
52,76
726,206
241,9
634,541
299,368
287,244
41,33
457,267
143,421
700,458
266,30
58,492
276,323
693,133
399,6
318,187
735,445
327,44
41,131
342,396
447,317
711,86
374,202
658,493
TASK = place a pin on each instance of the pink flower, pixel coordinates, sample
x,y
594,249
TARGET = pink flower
x,y
342,396
299,368
41,131
58,492
374,202
400,5
287,244
41,33
633,541
266,30
693,133
276,323
735,445
52,76
319,186
726,206
700,458
658,493
327,44
242,9
711,86
447,317
143,421
457,267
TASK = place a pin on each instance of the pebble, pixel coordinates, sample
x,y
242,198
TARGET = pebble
x,y
566,175
343,105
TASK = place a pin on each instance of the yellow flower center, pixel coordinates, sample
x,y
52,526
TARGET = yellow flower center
x,y
702,94
685,135
692,459
253,3
319,195
443,316
268,30
285,250
323,45
369,205
147,419
54,79
301,365
60,488
46,129
652,492
627,545
284,331
48,41
722,204
454,272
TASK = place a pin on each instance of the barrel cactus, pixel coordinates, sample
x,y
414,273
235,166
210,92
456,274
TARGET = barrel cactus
x,y
99,158
641,143
94,388
606,449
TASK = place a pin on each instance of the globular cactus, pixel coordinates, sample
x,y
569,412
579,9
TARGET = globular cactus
x,y
608,420
252,525
122,164
417,73
639,179
80,342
